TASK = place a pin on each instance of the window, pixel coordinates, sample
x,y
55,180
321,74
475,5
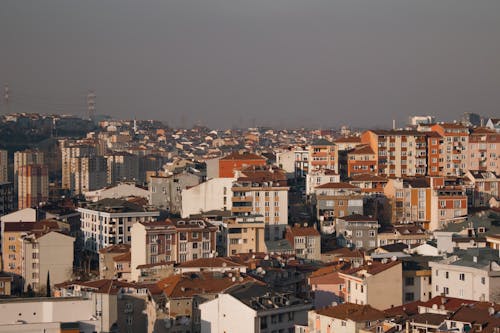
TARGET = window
x,y
446,291
483,280
195,235
462,277
409,281
409,297
447,275
195,245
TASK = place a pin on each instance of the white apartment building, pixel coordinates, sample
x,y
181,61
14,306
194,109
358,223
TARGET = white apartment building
x,y
108,221
252,308
214,194
320,177
472,274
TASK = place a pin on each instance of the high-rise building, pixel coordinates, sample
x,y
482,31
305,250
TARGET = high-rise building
x,y
33,185
122,167
23,158
89,173
70,150
4,166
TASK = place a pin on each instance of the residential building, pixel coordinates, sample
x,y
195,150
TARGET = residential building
x,y
194,239
5,284
357,231
6,198
119,191
408,233
33,185
214,194
69,151
263,191
323,154
369,184
184,295
108,222
344,318
152,243
166,192
484,186
417,120
333,200
237,161
483,150
364,284
294,161
24,158
494,124
455,144
471,274
106,260
122,166
327,286
417,280
253,308
361,160
399,153
88,173
320,177
305,240
4,166
431,201
46,254
245,234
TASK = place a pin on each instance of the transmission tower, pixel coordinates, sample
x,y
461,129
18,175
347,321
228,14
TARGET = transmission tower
x,y
91,105
6,98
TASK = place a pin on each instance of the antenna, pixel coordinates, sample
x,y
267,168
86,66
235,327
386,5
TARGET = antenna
x,y
91,105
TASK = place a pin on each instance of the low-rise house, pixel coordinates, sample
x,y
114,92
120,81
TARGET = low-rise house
x,y
345,318
408,233
245,234
215,264
484,186
364,284
253,308
327,286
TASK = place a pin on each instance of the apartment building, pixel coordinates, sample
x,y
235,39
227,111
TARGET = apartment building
x,y
320,177
46,254
454,148
365,284
165,192
106,260
122,166
344,145
305,240
417,280
108,222
263,191
24,158
152,243
369,184
333,200
6,198
399,153
484,186
294,161
122,190
228,164
471,274
4,166
361,160
33,185
323,154
69,151
407,233
214,194
245,234
253,308
344,318
357,231
195,239
88,173
5,284
431,201
483,152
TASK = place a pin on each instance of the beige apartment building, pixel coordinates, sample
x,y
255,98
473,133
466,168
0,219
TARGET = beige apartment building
x,y
263,191
305,240
453,149
26,157
33,185
4,166
70,152
245,234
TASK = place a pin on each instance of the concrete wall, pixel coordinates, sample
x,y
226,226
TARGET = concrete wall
x,y
207,196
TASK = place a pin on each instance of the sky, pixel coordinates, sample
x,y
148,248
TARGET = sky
x,y
227,63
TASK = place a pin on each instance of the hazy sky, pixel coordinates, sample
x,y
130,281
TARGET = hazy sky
x,y
269,62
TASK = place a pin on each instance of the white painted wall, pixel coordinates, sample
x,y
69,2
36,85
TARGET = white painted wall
x,y
207,196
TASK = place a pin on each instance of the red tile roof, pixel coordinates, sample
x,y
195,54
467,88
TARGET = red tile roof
x,y
354,312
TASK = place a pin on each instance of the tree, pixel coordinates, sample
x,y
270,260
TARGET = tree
x,y
49,292
30,292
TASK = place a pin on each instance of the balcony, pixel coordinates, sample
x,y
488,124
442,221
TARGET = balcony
x,y
242,209
242,199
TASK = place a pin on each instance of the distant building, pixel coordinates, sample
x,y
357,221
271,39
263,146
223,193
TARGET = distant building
x,y
166,192
237,161
6,198
323,154
122,166
320,177
245,234
4,166
214,194
33,185
421,120
120,191
24,158
361,160
88,174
